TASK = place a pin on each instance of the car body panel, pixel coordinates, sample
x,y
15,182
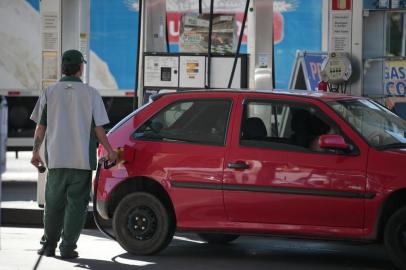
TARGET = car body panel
x,y
287,192
386,175
288,186
174,165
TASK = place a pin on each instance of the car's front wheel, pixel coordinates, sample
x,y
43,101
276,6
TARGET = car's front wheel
x,y
142,224
218,238
395,238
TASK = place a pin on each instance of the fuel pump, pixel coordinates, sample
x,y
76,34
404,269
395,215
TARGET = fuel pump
x,y
209,44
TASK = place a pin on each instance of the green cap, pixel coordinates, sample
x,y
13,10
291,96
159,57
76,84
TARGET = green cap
x,y
73,57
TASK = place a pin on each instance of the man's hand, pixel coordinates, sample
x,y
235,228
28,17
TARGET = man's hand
x,y
36,159
38,138
101,136
112,156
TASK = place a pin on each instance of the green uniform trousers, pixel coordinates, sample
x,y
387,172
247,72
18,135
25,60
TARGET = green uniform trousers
x,y
67,194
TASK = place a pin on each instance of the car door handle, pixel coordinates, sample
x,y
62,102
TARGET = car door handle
x,y
238,165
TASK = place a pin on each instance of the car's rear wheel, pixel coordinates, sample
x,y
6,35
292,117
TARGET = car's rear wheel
x,y
395,238
218,238
142,224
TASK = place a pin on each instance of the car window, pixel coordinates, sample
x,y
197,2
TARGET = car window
x,y
290,126
202,121
380,127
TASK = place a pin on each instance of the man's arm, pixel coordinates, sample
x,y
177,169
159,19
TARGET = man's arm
x,y
38,139
101,136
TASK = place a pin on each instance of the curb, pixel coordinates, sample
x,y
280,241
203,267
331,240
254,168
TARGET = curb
x,y
34,218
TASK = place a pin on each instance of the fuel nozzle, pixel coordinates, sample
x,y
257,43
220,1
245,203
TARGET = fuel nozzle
x,y
107,164
41,169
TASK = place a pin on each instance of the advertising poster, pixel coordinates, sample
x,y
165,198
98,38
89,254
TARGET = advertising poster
x,y
395,77
297,26
114,32
313,64
300,30
340,26
50,65
49,25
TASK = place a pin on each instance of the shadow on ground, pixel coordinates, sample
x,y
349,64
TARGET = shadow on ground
x,y
252,253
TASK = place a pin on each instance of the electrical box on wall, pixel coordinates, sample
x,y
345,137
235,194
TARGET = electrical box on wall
x,y
336,68
189,71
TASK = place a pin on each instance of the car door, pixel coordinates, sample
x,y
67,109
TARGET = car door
x,y
184,145
272,176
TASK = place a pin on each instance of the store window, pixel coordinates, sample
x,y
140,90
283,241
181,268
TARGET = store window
x,y
396,34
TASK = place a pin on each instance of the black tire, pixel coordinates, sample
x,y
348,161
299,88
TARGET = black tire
x,y
218,238
395,238
142,224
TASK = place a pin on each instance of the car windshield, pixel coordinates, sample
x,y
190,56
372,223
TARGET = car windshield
x,y
379,126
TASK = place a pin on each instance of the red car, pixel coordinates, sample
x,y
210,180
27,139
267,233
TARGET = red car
x,y
225,163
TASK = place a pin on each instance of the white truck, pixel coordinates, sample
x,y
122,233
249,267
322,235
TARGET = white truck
x,y
30,49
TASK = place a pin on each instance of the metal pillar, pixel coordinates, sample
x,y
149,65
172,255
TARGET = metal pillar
x,y
76,29
260,44
356,87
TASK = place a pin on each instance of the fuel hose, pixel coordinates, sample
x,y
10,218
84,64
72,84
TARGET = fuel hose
x,y
103,162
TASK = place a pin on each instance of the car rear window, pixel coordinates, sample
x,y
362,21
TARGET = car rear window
x,y
202,121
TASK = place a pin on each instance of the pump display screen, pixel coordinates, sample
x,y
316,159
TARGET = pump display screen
x,y
166,74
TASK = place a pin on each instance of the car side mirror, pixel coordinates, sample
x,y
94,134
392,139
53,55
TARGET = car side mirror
x,y
333,141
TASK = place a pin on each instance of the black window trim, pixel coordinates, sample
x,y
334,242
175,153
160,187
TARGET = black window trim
x,y
299,104
223,144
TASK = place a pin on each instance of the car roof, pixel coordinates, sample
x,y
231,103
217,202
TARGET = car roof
x,y
321,95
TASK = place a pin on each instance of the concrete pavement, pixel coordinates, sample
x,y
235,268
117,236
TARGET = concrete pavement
x,y
187,251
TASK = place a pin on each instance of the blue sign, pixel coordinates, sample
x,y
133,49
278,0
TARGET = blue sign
x,y
301,31
113,38
312,64
395,77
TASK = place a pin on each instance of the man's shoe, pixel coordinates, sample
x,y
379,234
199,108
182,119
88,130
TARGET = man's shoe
x,y
69,255
46,251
